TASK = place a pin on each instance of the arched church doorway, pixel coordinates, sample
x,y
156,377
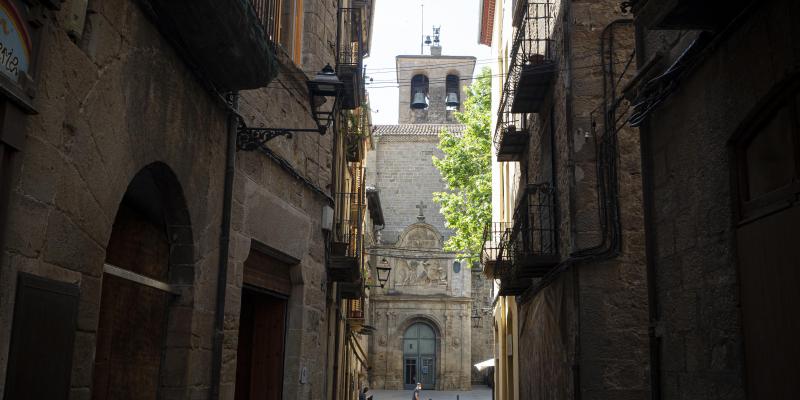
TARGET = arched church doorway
x,y
419,356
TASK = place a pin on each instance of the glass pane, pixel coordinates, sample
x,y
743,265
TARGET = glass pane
x,y
410,371
425,331
770,157
427,346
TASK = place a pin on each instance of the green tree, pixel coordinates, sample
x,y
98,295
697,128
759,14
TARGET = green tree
x,y
467,170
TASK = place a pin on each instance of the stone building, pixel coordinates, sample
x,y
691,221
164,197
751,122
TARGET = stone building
x,y
143,256
717,108
423,316
567,244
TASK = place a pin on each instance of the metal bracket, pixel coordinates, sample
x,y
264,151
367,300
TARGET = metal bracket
x,y
249,139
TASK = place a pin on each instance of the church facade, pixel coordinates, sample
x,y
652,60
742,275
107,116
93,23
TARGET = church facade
x,y
426,318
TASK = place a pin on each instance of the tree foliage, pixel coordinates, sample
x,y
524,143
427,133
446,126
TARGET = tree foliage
x,y
467,170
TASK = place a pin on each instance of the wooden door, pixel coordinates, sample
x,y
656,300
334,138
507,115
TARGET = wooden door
x,y
768,247
262,327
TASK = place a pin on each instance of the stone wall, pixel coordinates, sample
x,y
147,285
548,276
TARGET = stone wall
x,y
436,70
109,105
121,98
590,325
482,328
698,301
406,176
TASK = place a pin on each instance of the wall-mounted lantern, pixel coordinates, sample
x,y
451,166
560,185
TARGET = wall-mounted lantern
x,y
324,95
383,273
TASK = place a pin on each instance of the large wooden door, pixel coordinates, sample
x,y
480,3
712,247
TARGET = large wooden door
x,y
768,246
262,327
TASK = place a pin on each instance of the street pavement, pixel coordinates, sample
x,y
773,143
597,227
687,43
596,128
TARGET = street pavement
x,y
477,393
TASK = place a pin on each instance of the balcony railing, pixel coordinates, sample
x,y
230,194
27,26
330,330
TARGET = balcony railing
x,y
349,218
495,253
529,78
533,238
350,56
223,38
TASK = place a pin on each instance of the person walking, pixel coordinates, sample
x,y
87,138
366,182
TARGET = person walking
x,y
417,391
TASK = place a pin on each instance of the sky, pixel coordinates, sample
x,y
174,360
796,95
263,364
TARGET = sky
x,y
397,26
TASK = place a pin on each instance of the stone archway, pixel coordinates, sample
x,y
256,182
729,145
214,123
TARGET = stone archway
x,y
145,310
420,339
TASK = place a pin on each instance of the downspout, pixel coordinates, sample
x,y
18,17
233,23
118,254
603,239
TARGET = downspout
x,y
224,242
649,239
569,104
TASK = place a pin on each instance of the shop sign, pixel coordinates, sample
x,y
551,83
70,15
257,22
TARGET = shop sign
x,y
15,42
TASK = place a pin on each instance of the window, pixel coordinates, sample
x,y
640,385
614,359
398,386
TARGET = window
x,y
768,163
283,24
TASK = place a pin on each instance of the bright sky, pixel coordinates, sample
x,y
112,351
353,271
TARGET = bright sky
x,y
396,31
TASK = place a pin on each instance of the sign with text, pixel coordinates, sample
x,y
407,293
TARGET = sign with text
x,y
15,41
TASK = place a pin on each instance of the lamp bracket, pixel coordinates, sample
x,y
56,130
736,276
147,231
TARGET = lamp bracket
x,y
249,139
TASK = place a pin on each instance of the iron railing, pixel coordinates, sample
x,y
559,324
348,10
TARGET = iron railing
x,y
495,252
355,309
350,46
269,13
533,237
348,221
531,54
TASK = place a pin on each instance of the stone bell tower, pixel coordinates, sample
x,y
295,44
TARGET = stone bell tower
x,y
432,86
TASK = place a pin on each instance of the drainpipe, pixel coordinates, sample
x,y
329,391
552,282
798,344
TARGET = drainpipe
x,y
224,243
649,239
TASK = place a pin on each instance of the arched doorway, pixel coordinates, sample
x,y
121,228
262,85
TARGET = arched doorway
x,y
143,317
419,356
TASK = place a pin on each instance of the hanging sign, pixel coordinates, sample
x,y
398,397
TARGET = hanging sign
x,y
15,42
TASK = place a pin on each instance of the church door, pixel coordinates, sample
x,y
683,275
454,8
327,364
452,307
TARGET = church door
x,y
419,356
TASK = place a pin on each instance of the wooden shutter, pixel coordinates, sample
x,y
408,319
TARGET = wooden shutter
x,y
42,339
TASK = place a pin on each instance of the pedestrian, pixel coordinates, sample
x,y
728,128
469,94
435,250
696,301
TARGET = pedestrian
x,y
363,394
416,395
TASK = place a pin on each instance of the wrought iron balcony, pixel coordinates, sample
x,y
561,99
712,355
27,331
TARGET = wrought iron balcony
x,y
350,56
534,244
355,313
495,253
530,75
533,240
226,39
344,264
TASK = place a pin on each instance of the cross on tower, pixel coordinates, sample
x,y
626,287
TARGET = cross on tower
x,y
421,206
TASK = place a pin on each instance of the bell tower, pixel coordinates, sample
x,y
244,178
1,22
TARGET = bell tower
x,y
432,87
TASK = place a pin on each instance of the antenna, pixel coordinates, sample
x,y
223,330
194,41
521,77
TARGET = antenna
x,y
422,27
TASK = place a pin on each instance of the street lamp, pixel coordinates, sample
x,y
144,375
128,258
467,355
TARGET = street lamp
x,y
383,273
324,87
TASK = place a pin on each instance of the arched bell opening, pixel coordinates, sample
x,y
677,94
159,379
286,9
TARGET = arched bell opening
x,y
452,93
145,315
419,92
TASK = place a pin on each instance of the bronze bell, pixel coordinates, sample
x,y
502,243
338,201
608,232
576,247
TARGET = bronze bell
x,y
451,100
420,101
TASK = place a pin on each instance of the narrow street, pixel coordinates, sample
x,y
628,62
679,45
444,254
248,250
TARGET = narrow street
x,y
477,393
305,199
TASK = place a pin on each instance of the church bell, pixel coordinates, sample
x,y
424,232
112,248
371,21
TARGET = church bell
x,y
420,102
451,100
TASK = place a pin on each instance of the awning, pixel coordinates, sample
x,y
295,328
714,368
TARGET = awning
x,y
485,364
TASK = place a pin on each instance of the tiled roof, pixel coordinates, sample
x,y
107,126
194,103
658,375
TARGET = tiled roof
x,y
417,129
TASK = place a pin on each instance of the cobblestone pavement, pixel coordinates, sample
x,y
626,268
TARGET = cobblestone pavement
x,y
477,393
